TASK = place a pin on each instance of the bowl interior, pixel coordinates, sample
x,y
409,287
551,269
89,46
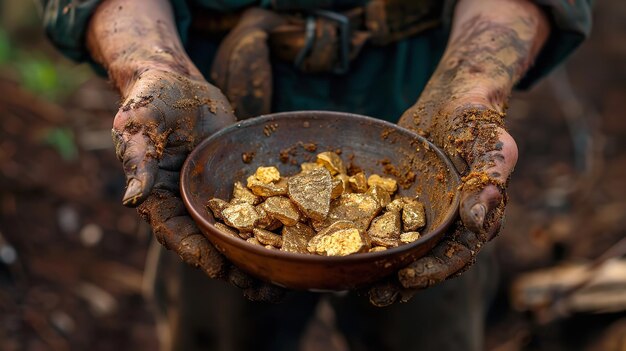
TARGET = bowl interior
x,y
286,140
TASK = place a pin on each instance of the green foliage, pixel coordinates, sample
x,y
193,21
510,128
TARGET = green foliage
x,y
62,140
51,77
5,47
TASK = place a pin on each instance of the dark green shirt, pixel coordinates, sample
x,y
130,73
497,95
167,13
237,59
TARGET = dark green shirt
x,y
382,82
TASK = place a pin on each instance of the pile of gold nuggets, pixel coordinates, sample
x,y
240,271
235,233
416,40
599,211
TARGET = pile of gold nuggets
x,y
320,210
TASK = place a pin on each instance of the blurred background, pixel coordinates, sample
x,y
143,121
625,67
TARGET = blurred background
x,y
71,257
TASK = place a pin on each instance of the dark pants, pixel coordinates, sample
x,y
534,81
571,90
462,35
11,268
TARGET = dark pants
x,y
197,313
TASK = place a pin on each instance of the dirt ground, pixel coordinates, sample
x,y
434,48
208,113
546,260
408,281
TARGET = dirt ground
x,y
71,257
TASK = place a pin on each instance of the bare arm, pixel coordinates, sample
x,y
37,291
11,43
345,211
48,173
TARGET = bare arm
x,y
492,45
167,108
130,37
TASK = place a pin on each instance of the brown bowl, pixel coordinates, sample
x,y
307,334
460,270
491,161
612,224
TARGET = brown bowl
x,y
285,140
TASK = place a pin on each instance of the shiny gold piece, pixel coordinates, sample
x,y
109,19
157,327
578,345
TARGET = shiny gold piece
x,y
389,184
332,162
226,229
245,235
266,237
309,166
243,194
217,206
283,209
267,174
311,192
270,247
340,239
254,241
385,229
242,216
296,238
267,189
395,205
357,208
409,237
338,188
345,179
377,249
358,182
382,196
265,220
413,215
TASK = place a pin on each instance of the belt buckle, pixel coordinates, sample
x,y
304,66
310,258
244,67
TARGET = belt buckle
x,y
343,27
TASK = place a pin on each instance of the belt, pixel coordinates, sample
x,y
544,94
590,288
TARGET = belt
x,y
317,41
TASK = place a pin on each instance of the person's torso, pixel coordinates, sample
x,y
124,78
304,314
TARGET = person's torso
x,y
235,5
383,81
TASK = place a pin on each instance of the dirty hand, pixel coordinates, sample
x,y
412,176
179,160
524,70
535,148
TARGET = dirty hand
x,y
461,110
485,154
163,117
167,109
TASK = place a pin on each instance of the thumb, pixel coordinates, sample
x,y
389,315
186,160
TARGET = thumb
x,y
483,187
139,156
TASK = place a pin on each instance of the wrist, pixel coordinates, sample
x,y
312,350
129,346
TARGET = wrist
x,y
484,95
124,72
130,38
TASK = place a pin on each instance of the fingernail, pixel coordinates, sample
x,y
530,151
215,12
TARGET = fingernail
x,y
478,212
133,192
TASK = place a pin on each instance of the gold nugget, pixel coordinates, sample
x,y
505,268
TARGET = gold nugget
x,y
266,237
377,249
345,180
217,206
283,209
266,221
332,162
309,166
311,192
242,216
338,188
245,235
226,229
267,189
267,174
340,239
413,216
409,237
357,208
296,238
395,205
385,229
254,241
358,182
388,184
382,196
242,194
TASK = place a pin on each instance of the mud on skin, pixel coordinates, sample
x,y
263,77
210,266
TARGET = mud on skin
x,y
462,107
167,108
462,111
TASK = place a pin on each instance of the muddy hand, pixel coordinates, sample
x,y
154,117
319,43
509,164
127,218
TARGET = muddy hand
x,y
159,123
485,154
167,109
176,231
162,119
461,110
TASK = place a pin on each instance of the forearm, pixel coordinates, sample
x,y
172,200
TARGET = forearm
x,y
130,37
492,44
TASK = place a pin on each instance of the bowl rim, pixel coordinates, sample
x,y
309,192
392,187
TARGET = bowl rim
x,y
450,215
